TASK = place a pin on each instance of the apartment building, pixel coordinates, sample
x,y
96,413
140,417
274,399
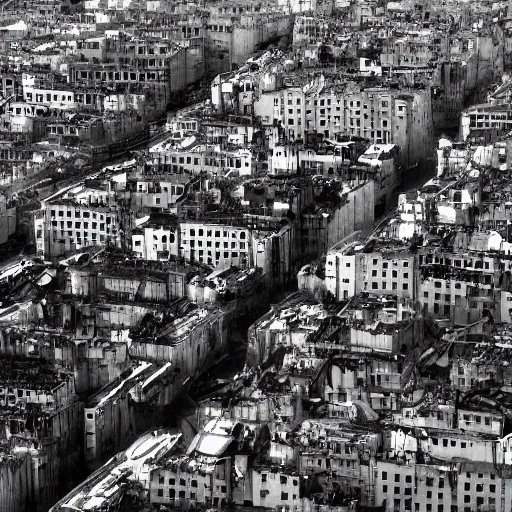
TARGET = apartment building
x,y
66,225
437,487
352,271
217,245
384,116
460,286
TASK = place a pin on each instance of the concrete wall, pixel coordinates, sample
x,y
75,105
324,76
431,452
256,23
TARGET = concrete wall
x,y
196,350
8,219
16,484
354,215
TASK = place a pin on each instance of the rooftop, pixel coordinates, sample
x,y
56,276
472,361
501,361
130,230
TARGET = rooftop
x,y
123,384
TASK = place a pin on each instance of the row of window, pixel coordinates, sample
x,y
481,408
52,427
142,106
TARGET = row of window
x,y
234,245
339,463
384,286
226,255
440,507
79,214
452,443
385,264
437,296
430,480
394,274
94,238
216,233
328,101
476,418
476,263
235,163
172,494
71,130
172,481
20,392
182,159
48,97
283,479
284,496
78,225
126,76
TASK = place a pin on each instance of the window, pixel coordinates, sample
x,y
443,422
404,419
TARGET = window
x,y
161,480
429,495
384,475
284,496
408,479
172,481
172,493
284,480
181,494
160,493
492,488
397,477
182,481
397,490
263,477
